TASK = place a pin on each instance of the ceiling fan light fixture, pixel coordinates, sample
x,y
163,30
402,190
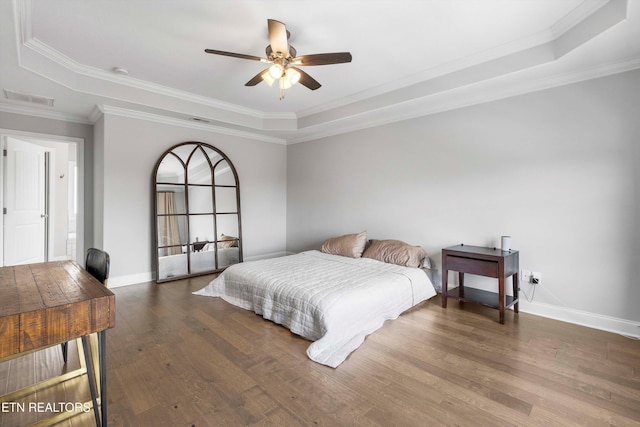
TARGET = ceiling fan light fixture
x,y
284,60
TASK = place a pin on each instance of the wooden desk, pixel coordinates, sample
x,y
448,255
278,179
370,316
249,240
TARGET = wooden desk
x,y
490,262
50,303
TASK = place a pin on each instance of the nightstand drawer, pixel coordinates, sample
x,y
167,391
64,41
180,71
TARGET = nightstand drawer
x,y
471,266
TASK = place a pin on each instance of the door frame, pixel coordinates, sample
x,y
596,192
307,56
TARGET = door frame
x,y
78,144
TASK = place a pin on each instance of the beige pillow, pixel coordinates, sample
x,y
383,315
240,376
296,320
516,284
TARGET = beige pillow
x,y
395,252
349,245
227,242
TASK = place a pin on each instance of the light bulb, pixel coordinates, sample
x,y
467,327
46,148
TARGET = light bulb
x,y
276,71
285,83
266,76
292,75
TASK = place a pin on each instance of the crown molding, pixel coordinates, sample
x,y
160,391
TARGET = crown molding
x,y
157,118
95,114
45,114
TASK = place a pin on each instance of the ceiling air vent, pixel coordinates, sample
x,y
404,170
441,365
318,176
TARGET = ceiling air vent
x,y
25,97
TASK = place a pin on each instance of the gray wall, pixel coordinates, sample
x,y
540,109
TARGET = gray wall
x,y
131,148
557,170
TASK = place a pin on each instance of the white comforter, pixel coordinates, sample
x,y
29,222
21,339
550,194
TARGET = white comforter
x,y
332,300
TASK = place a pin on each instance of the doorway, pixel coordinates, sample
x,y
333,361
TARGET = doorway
x,y
41,195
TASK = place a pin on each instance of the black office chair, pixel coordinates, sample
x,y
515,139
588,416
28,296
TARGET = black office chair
x,y
97,264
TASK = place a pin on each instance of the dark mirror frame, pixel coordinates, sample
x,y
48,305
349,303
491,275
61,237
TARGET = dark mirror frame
x,y
217,245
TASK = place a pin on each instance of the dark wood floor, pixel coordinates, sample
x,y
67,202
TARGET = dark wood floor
x,y
175,359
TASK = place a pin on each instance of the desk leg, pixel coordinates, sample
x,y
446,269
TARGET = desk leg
x,y
445,286
461,286
102,344
501,296
92,379
516,292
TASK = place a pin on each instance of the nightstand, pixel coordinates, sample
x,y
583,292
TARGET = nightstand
x,y
489,262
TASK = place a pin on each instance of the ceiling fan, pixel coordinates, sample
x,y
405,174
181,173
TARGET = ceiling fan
x,y
285,61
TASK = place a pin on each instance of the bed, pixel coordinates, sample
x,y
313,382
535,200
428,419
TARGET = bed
x,y
333,300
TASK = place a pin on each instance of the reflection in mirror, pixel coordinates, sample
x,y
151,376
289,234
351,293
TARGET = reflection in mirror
x,y
201,228
227,226
171,170
213,155
183,151
203,261
170,267
199,169
171,199
172,234
197,204
227,244
228,256
226,199
200,199
224,175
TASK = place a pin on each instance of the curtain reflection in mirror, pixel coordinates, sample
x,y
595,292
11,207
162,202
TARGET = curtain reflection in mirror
x,y
168,224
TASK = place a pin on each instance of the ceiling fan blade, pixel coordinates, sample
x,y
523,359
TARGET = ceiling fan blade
x,y
235,55
307,80
257,78
323,59
278,37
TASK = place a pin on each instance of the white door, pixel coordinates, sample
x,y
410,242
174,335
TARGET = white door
x,y
25,218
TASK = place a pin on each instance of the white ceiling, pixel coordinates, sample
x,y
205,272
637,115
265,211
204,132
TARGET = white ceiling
x,y
410,57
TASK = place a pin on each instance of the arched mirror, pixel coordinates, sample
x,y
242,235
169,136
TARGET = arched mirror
x,y
197,212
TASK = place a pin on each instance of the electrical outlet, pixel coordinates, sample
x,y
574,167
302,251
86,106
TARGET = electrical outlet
x,y
525,276
536,277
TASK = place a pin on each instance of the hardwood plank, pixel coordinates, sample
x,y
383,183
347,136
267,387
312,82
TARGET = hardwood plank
x,y
139,392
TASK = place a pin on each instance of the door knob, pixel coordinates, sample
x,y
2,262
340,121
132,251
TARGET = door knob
x,y
44,216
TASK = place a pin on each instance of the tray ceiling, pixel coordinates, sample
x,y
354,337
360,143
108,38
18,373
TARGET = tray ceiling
x,y
409,58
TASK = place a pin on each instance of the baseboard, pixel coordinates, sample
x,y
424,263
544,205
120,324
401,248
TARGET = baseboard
x,y
591,320
132,279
